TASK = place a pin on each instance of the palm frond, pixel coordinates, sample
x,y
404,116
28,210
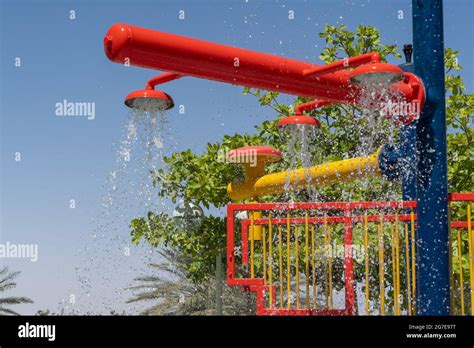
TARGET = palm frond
x,y
6,311
6,283
178,295
14,300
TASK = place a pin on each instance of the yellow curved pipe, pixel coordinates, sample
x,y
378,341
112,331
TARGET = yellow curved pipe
x,y
324,174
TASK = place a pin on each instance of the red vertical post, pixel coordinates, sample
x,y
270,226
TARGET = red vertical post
x,y
230,243
348,264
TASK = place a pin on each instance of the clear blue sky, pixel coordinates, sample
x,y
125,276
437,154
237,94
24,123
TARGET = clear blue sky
x,y
70,158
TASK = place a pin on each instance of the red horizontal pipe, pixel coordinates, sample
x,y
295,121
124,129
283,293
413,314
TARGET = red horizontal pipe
x,y
330,219
461,224
186,56
461,196
320,205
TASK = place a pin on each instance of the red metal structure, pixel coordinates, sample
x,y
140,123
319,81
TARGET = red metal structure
x,y
338,82
183,56
347,214
277,255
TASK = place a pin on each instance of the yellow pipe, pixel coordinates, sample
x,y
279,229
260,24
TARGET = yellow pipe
x,y
256,230
461,281
324,174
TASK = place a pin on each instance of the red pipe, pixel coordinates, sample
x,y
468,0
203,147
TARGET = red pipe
x,y
179,55
186,56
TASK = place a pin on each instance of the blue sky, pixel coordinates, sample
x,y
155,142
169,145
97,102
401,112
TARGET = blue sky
x,y
71,158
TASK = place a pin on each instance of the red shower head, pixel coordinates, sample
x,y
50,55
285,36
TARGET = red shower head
x,y
376,73
299,120
149,100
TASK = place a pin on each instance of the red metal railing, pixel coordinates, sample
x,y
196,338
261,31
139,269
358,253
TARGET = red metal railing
x,y
276,239
315,214
460,205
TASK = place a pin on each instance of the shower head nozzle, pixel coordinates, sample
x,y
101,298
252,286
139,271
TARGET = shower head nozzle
x,y
149,100
376,74
309,125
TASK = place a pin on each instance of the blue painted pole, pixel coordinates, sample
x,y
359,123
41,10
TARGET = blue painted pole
x,y
433,285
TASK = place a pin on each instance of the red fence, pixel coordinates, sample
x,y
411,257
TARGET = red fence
x,y
285,254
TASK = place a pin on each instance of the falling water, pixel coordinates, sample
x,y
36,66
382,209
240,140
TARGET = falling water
x,y
373,128
299,139
108,257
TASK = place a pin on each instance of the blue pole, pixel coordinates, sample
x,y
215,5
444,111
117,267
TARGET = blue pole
x,y
433,288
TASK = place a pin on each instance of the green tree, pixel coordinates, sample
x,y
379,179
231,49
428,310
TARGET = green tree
x,y
7,283
203,178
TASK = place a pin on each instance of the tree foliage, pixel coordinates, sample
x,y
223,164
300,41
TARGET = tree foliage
x,y
7,283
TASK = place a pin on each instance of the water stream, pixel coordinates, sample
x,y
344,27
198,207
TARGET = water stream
x,y
110,261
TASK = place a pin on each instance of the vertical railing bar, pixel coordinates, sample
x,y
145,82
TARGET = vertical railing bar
x,y
330,268
326,268
306,270
280,264
366,256
313,264
407,266
252,247
288,260
381,266
461,280
394,277
297,276
270,258
413,259
470,237
264,255
397,260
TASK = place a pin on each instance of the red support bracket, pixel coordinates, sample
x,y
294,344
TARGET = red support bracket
x,y
160,79
373,57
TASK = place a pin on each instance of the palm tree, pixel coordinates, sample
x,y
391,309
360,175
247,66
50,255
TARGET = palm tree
x,y
175,294
6,283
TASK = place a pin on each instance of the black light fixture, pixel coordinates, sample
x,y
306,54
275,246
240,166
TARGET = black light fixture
x,y
408,51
